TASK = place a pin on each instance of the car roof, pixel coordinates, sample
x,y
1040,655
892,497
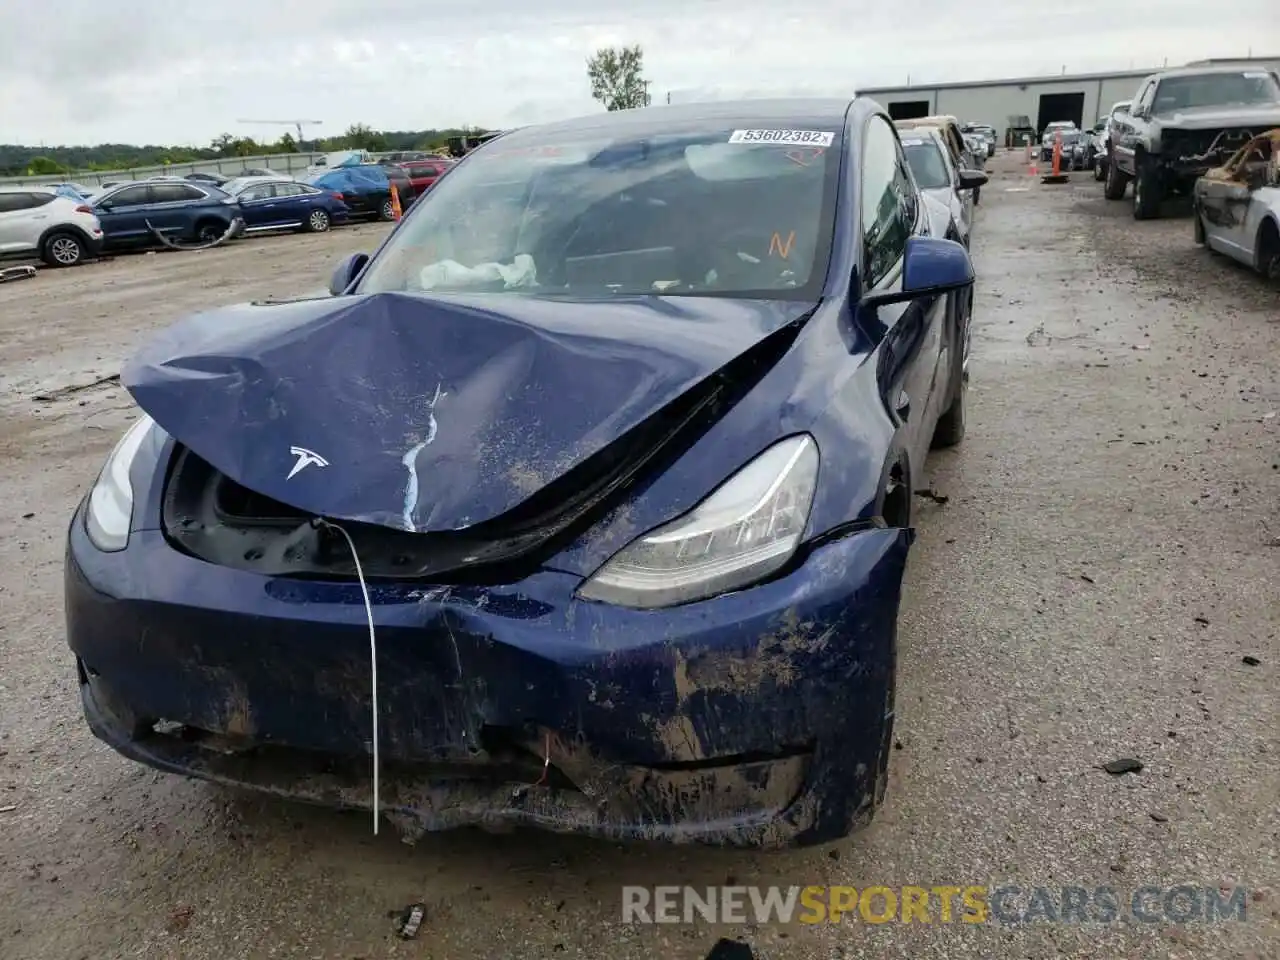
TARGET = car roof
x,y
1202,71
931,133
29,188
936,120
787,114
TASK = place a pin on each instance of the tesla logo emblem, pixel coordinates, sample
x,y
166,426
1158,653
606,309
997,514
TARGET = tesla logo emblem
x,y
306,458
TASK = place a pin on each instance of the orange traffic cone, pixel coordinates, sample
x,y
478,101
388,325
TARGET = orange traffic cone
x,y
1057,176
396,212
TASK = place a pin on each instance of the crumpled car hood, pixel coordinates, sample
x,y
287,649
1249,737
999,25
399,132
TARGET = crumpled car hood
x,y
1203,118
429,413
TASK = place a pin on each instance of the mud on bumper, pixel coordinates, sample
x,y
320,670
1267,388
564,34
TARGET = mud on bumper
x,y
705,735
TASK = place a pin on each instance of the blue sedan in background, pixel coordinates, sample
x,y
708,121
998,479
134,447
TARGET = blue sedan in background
x,y
277,204
583,503
366,188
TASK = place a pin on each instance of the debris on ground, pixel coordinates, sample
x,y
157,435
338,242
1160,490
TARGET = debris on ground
x,y
1158,817
75,388
9,808
234,229
731,950
1249,661
1124,765
930,494
411,920
180,918
16,273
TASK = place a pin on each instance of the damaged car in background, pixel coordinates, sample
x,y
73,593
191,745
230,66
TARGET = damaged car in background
x,y
1181,125
1237,206
582,504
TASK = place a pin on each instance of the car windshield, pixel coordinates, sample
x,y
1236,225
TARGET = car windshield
x,y
724,212
1215,90
925,160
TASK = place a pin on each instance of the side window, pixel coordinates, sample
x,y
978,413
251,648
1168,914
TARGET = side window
x,y
255,193
291,190
130,196
888,202
174,193
1147,94
11,202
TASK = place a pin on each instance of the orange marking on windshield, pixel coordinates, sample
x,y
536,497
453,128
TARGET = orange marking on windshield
x,y
805,156
783,248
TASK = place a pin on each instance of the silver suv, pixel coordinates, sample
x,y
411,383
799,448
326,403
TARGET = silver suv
x,y
39,221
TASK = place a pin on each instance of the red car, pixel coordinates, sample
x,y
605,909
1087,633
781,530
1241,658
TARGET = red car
x,y
423,173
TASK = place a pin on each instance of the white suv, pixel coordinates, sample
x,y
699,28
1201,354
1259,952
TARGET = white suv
x,y
39,221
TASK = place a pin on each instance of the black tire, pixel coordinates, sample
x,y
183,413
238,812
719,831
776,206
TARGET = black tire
x,y
1267,255
318,221
1099,169
1148,192
1117,181
63,249
208,231
387,212
1197,226
977,196
950,429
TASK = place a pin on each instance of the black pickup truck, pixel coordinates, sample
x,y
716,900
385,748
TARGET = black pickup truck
x,y
1182,124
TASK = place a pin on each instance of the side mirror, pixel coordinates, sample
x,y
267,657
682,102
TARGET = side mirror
x,y
346,272
972,179
930,268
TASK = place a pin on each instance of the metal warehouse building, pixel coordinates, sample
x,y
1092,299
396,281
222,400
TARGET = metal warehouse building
x,y
1081,97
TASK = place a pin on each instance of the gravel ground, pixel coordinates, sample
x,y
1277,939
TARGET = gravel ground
x,y
1109,553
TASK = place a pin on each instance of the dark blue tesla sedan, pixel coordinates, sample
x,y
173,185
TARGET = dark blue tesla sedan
x,y
583,503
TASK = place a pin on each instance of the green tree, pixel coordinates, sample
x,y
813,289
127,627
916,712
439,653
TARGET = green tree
x,y
362,137
43,167
617,77
287,144
223,144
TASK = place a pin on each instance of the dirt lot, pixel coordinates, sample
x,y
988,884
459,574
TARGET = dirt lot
x,y
1109,553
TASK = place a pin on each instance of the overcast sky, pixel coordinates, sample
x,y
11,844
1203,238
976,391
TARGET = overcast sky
x,y
85,71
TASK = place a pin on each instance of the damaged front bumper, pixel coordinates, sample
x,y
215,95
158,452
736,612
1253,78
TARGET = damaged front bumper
x,y
759,718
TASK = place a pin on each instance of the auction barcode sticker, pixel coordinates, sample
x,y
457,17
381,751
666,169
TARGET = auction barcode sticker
x,y
784,138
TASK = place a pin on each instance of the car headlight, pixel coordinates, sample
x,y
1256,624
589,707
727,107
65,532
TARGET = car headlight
x,y
744,531
110,510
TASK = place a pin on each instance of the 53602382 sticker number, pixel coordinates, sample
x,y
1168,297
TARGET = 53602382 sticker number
x,y
784,138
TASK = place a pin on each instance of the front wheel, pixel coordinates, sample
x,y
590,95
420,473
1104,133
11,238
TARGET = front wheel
x,y
950,429
388,211
1099,170
62,249
1198,231
1148,192
1267,255
1117,182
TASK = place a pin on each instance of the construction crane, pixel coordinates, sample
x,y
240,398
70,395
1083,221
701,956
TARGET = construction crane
x,y
296,124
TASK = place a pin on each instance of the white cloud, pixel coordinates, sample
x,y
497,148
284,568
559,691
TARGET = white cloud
x,y
147,71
